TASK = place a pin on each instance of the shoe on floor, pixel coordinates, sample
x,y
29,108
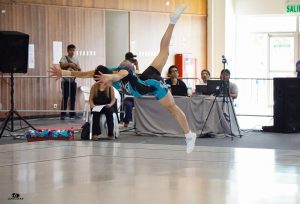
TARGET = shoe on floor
x,y
111,137
75,117
95,137
190,140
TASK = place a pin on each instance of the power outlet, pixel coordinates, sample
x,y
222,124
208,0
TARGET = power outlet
x,y
54,106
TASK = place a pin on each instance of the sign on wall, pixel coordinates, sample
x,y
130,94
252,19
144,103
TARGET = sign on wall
x,y
292,6
31,56
57,51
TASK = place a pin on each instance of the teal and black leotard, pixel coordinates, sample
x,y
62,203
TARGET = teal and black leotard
x,y
149,83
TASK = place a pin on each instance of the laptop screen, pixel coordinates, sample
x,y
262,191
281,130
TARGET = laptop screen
x,y
217,87
201,89
177,90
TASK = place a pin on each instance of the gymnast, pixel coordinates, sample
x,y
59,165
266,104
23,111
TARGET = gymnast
x,y
149,82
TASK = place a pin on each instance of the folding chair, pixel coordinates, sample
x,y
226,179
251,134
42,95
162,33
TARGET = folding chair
x,y
86,94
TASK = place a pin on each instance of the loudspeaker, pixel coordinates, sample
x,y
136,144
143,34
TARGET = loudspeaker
x,y
13,52
287,105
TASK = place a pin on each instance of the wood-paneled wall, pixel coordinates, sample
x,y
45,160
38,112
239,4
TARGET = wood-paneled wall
x,y
194,6
67,21
45,24
189,37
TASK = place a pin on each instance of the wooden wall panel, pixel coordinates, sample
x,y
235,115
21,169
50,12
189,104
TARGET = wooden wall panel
x,y
84,27
194,6
189,36
45,24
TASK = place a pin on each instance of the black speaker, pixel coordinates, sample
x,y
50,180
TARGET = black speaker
x,y
13,52
287,105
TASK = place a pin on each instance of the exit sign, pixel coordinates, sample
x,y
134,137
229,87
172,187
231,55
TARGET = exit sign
x,y
293,8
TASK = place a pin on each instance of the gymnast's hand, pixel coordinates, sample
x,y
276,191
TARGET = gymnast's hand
x,y
104,78
55,72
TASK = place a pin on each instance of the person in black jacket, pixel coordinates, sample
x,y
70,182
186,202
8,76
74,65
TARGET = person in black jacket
x,y
173,74
173,78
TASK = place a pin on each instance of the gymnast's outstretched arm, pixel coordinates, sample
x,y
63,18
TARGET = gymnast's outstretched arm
x,y
86,74
58,73
102,78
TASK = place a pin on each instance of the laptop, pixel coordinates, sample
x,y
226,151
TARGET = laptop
x,y
177,90
201,90
215,87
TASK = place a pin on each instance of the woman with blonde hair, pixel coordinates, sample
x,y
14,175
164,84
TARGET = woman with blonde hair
x,y
102,94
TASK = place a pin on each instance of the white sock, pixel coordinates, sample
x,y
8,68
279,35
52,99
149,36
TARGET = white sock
x,y
176,14
187,134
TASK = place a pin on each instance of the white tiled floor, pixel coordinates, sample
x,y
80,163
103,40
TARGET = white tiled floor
x,y
107,172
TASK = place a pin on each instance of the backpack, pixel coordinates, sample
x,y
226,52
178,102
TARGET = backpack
x,y
85,132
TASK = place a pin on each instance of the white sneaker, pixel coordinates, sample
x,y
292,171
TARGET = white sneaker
x,y
176,14
190,140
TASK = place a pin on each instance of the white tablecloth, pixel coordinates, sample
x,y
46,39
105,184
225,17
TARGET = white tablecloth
x,y
152,118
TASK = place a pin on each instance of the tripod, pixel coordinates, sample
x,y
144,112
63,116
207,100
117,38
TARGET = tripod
x,y
224,93
10,114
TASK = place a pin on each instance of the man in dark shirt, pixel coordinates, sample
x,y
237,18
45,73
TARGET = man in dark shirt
x,y
173,78
173,74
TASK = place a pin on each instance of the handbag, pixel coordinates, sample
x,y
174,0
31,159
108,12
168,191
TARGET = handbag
x,y
85,132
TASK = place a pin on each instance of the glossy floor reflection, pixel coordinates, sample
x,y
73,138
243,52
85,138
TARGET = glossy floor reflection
x,y
107,172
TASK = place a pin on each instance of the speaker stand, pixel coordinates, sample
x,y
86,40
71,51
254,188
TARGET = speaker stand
x,y
10,114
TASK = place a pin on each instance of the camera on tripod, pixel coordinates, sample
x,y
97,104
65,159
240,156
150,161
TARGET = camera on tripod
x,y
227,106
223,89
224,60
224,86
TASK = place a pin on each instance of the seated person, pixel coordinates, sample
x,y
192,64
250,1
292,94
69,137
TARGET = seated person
x,y
298,68
102,94
233,89
173,78
205,76
128,106
130,62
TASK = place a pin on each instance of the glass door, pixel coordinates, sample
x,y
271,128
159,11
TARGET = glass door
x,y
282,57
282,52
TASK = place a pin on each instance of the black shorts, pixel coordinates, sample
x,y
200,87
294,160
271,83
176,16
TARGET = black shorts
x,y
151,73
